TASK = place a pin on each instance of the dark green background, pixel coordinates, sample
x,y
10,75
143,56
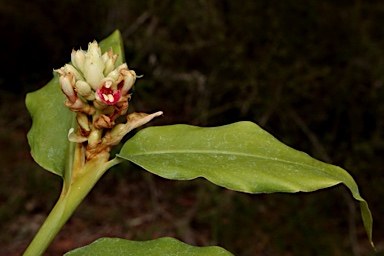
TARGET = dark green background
x,y
310,72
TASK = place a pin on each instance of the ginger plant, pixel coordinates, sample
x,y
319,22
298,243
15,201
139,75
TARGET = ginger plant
x,y
75,127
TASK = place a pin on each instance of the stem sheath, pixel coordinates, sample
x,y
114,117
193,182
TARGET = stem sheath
x,y
69,199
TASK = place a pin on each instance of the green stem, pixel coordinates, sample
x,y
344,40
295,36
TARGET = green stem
x,y
69,199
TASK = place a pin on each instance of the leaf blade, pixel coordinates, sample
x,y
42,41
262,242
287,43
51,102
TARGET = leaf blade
x,y
161,246
240,156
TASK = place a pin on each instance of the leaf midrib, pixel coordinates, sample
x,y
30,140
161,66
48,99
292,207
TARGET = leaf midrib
x,y
231,153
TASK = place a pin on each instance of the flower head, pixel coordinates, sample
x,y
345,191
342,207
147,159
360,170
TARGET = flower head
x,y
95,76
98,91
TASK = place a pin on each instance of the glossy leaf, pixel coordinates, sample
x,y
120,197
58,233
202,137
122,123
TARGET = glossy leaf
x,y
51,119
240,156
162,246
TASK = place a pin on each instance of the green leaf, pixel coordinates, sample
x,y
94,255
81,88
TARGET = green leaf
x,y
239,156
162,246
51,119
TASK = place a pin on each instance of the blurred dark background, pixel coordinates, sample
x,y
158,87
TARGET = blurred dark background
x,y
309,72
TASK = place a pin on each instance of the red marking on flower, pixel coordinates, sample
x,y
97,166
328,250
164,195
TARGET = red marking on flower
x,y
108,96
121,84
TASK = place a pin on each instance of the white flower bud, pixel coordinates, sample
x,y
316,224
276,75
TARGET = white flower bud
x,y
82,120
94,65
66,84
107,55
109,66
71,69
83,88
78,59
94,138
129,77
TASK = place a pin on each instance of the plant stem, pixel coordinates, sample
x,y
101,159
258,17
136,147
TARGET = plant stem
x,y
69,199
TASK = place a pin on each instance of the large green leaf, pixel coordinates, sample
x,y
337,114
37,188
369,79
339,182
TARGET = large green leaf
x,y
162,246
51,119
240,156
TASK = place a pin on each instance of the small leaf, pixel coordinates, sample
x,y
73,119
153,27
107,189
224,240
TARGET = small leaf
x,y
162,246
51,119
240,156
